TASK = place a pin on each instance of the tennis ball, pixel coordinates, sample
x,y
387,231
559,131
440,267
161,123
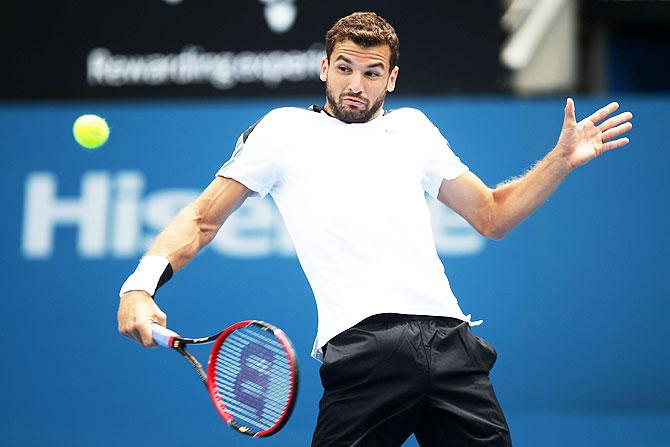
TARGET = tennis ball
x,y
90,131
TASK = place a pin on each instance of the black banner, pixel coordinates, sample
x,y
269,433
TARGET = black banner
x,y
210,48
628,12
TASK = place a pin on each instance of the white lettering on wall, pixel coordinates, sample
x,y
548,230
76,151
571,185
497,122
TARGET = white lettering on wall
x,y
126,215
44,211
193,65
115,217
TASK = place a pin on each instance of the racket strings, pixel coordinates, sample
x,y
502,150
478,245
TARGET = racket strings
x,y
256,401
254,377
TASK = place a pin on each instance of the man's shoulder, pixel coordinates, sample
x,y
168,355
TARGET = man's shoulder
x,y
409,116
288,114
280,119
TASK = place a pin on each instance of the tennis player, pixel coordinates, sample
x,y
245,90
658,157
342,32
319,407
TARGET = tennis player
x,y
349,179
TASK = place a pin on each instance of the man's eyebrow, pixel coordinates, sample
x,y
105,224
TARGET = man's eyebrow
x,y
345,59
349,61
377,65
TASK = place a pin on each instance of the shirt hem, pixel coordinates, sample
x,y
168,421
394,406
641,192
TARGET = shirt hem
x,y
255,187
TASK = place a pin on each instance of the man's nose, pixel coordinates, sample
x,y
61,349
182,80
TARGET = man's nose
x,y
356,83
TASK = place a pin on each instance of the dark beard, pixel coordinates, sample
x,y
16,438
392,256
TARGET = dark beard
x,y
351,115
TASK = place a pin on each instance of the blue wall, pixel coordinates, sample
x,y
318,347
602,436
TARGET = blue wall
x,y
575,299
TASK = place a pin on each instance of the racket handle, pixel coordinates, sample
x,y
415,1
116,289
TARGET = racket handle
x,y
162,335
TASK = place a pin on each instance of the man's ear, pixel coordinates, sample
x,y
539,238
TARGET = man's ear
x,y
323,74
390,85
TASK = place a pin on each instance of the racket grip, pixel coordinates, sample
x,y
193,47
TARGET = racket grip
x,y
162,335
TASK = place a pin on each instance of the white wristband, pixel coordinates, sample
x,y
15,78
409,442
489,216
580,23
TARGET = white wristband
x,y
147,275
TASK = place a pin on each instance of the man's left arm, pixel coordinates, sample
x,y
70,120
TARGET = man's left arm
x,y
494,212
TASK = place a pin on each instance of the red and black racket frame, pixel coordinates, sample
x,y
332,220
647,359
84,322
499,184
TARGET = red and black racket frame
x,y
209,377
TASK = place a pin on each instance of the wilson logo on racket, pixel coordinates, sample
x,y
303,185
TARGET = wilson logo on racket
x,y
252,374
253,380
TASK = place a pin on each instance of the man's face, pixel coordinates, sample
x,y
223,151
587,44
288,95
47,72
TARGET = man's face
x,y
357,79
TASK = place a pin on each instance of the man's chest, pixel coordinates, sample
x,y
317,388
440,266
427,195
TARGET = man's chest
x,y
353,157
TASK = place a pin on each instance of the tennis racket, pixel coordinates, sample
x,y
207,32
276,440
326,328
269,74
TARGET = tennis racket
x,y
252,374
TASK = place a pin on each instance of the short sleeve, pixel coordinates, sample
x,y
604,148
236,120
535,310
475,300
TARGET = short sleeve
x,y
253,162
440,163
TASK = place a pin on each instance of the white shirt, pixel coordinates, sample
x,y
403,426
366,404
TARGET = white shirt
x,y
352,198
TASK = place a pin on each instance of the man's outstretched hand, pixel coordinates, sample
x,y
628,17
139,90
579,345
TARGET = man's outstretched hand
x,y
581,142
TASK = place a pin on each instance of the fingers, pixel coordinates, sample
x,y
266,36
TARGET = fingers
x,y
137,310
569,119
140,332
616,131
144,334
615,121
602,113
615,144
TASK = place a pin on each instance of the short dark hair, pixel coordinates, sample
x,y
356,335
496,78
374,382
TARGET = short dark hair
x,y
366,29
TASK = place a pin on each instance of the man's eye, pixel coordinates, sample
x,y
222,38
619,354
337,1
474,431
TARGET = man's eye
x,y
343,69
372,74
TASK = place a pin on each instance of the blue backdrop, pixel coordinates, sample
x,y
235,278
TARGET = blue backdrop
x,y
575,299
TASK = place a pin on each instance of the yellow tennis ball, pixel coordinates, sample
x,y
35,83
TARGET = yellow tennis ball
x,y
90,131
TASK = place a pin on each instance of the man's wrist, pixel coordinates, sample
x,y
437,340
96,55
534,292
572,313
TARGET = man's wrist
x,y
563,163
135,293
151,273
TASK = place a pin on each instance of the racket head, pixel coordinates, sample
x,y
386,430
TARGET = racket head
x,y
252,377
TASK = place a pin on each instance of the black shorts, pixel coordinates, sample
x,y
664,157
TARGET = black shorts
x,y
393,375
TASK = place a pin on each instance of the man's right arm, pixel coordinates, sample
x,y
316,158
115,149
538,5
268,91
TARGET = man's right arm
x,y
193,228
